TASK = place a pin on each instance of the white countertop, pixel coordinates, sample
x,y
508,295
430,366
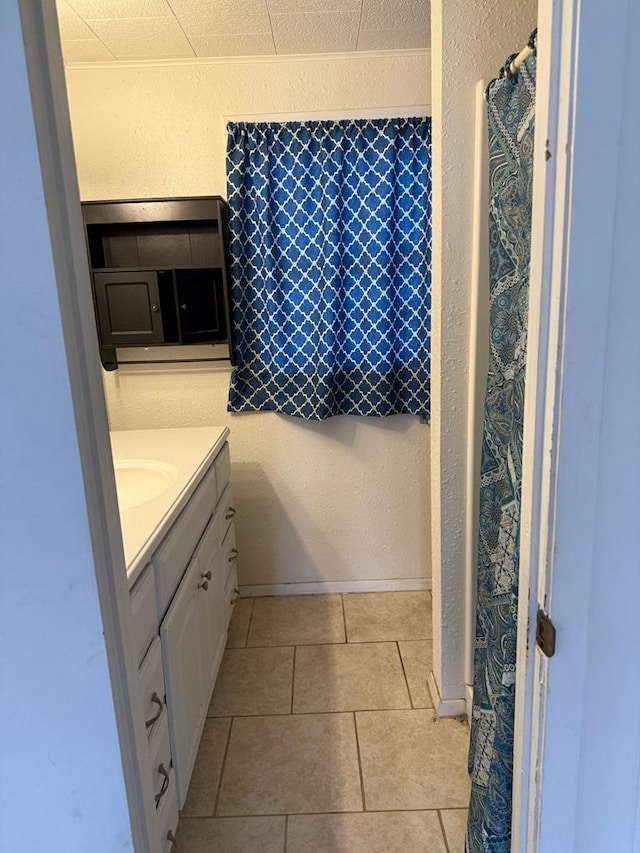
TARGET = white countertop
x,y
190,450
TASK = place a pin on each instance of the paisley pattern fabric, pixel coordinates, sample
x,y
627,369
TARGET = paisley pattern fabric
x,y
511,104
330,245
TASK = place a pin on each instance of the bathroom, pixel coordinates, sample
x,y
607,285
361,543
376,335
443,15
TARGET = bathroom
x,y
343,506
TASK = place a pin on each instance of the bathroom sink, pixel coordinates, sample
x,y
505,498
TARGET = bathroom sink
x,y
142,480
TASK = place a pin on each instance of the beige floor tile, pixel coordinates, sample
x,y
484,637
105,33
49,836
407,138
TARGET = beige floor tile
x,y
417,659
362,676
232,835
374,616
239,625
291,765
294,620
253,681
203,789
382,832
455,827
412,761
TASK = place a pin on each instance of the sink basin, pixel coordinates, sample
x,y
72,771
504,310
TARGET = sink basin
x,y
142,480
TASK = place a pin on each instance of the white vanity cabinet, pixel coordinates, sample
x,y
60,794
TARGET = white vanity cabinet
x,y
181,605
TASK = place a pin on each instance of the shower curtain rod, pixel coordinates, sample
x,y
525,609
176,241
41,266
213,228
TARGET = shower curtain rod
x,y
525,53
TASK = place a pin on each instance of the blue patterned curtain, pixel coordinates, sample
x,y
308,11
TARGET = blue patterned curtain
x,y
511,104
330,244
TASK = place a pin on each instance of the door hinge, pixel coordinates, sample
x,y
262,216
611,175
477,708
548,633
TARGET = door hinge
x,y
545,634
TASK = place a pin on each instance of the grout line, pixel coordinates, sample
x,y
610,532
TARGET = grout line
x,y
286,832
364,801
319,713
344,618
338,643
444,834
325,812
293,676
404,672
222,768
246,639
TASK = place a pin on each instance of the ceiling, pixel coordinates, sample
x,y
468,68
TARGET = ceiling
x,y
111,30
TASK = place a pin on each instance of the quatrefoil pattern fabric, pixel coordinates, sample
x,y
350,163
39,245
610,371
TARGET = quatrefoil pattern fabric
x,y
330,246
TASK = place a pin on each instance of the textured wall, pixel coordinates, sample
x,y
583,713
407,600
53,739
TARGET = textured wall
x,y
343,500
470,42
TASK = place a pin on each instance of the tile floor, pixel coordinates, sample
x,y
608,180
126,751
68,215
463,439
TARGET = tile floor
x,y
321,736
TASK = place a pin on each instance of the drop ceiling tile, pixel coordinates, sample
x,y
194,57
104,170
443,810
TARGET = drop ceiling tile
x,y
71,24
402,15
107,9
85,50
143,38
249,44
183,8
319,32
205,17
393,39
216,22
298,6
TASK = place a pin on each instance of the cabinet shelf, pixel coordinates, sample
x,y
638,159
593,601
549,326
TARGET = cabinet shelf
x,y
159,273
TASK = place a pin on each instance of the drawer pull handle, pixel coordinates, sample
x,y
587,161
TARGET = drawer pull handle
x,y
206,575
158,701
231,511
236,595
172,840
204,585
162,770
234,555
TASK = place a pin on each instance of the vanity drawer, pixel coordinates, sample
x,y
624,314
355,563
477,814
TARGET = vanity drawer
x,y
172,558
152,687
160,760
229,552
144,612
223,468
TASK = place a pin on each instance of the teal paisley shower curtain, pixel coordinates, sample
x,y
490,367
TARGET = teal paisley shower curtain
x,y
511,106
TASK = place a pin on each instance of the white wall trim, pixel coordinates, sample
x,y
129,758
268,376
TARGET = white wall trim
x,y
469,702
349,56
446,707
327,587
478,366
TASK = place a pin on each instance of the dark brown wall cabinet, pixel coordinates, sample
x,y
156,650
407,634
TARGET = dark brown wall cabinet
x,y
159,273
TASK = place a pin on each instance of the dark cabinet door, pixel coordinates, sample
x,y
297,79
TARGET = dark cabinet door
x,y
200,306
128,306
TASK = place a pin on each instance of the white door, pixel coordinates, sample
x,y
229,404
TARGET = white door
x,y
578,713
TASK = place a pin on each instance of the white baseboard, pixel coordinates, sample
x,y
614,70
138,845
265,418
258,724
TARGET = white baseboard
x,y
326,587
469,702
445,707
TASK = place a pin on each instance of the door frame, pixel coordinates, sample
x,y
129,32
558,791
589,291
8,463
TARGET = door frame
x,y
59,178
549,214
585,55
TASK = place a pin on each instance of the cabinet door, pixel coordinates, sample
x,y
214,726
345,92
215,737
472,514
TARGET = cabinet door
x,y
213,628
181,634
201,306
128,306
